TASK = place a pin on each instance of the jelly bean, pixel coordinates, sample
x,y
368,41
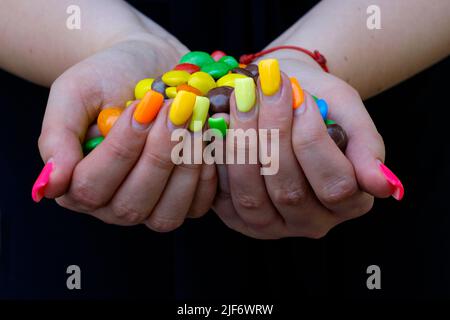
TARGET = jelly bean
x,y
148,107
230,61
216,69
253,68
142,87
338,135
159,86
219,99
171,92
216,55
182,107
91,144
187,87
202,81
218,124
199,114
243,72
175,77
127,104
188,67
323,107
199,58
297,93
107,118
269,76
228,80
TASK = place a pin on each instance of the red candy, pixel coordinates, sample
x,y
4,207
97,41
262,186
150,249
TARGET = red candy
x,y
188,67
216,55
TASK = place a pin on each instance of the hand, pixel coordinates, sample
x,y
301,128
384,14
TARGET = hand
x,y
317,186
129,178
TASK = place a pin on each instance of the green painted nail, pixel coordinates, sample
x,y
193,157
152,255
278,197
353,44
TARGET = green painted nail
x,y
91,144
315,98
329,121
219,124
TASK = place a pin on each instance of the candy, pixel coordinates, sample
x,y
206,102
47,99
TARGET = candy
x,y
243,72
175,77
159,86
297,93
216,69
188,67
142,87
218,124
245,94
253,69
182,107
323,108
219,99
202,81
230,61
171,92
148,107
216,55
199,58
269,75
199,114
242,65
107,118
338,135
91,144
228,79
187,87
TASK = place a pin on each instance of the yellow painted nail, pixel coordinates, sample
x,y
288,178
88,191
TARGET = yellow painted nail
x,y
127,104
269,75
171,92
199,114
182,107
244,90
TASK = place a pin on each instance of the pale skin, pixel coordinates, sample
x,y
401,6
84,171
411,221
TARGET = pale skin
x,y
317,186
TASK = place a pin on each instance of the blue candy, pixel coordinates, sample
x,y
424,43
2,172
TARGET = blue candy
x,y
323,108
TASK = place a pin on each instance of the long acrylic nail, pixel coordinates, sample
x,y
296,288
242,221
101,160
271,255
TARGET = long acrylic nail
x,y
199,114
393,180
38,190
269,75
244,91
182,107
218,124
148,108
298,95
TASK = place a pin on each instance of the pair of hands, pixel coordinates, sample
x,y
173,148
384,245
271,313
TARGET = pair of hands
x,y
130,178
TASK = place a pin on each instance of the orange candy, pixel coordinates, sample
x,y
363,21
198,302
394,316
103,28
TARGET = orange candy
x,y
297,93
148,107
107,118
243,66
189,88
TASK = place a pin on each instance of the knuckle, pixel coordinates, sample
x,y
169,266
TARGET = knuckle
x,y
310,141
120,151
290,196
160,224
247,201
127,214
157,160
83,194
339,189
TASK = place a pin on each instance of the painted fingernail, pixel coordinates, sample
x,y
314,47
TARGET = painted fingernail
x,y
38,190
269,75
323,108
182,107
218,124
199,114
392,179
244,91
148,108
298,95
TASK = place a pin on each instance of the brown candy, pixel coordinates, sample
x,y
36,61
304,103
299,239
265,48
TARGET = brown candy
x,y
338,135
243,72
159,86
219,99
253,69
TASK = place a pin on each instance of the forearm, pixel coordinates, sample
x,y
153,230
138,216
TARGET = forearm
x,y
37,45
414,34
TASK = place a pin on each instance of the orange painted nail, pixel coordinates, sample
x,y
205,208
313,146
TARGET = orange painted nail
x,y
148,107
189,88
297,93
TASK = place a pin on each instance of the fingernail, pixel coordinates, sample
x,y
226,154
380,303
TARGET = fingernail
x,y
244,91
269,75
218,124
182,107
199,114
38,190
147,109
323,108
392,179
297,93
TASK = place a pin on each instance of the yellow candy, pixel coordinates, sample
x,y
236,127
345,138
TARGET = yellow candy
x,y
142,87
228,79
174,78
202,81
171,92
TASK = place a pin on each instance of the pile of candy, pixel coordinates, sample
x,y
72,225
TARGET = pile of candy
x,y
201,84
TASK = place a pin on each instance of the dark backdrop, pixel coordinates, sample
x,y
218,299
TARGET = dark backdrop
x,y
204,259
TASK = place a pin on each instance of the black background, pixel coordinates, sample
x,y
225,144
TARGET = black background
x,y
204,260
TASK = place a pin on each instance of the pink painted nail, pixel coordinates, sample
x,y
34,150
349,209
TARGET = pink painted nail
x,y
37,193
399,191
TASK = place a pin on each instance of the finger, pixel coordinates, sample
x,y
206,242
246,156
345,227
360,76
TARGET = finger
x,y
206,191
328,171
365,147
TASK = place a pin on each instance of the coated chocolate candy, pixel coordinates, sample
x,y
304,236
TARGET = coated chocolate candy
x,y
188,67
230,61
216,69
91,144
253,68
216,55
202,81
174,78
228,79
107,118
199,58
219,99
159,86
243,72
338,135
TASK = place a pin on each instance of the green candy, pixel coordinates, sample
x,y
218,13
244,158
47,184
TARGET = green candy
x,y
218,124
199,58
328,122
216,70
230,61
91,144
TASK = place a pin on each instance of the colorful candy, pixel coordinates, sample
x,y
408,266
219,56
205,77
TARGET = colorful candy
x,y
107,118
230,61
142,87
188,67
91,144
218,124
253,69
219,99
174,78
228,79
187,87
338,135
171,92
216,55
202,81
159,86
243,72
198,58
216,69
